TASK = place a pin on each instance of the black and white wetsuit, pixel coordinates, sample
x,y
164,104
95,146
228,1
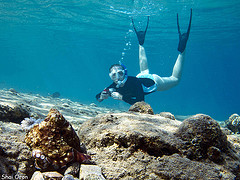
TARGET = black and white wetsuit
x,y
134,89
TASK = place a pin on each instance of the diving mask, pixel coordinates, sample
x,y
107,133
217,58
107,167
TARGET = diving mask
x,y
117,75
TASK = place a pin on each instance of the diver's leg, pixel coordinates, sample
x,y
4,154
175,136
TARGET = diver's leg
x,y
143,60
177,69
165,83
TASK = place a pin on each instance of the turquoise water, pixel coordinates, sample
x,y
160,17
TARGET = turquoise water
x,y
68,46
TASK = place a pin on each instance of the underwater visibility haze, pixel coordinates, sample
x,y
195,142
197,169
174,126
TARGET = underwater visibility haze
x,y
68,46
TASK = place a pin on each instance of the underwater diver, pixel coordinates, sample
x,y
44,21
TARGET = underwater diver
x,y
133,89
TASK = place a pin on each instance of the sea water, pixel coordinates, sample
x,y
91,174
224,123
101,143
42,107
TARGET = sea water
x,y
68,47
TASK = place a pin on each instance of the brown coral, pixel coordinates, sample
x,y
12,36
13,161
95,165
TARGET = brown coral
x,y
54,142
201,132
141,107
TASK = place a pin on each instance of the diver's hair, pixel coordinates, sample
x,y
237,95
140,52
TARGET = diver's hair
x,y
116,65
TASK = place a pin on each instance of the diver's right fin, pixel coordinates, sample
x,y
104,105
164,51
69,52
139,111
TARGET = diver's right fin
x,y
183,38
141,34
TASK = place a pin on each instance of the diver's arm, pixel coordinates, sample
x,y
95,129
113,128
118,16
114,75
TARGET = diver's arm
x,y
143,60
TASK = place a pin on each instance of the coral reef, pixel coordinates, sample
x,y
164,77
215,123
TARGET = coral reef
x,y
15,157
123,145
141,107
28,123
233,123
54,143
143,146
204,138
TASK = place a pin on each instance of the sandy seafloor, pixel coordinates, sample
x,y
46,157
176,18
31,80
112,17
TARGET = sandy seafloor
x,y
75,112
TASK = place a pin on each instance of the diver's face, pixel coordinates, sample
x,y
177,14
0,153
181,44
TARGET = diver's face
x,y
117,74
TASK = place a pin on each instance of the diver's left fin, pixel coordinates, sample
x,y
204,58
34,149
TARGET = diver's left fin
x,y
141,34
183,38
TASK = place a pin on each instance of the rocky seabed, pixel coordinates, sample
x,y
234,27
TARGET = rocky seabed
x,y
64,140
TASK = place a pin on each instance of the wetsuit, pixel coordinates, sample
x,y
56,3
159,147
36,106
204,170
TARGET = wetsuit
x,y
132,91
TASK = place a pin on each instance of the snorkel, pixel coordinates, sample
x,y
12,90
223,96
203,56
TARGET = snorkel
x,y
121,83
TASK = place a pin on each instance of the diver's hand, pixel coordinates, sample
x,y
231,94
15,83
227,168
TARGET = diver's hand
x,y
183,38
116,95
104,95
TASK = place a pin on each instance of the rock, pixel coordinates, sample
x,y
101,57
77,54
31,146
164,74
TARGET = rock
x,y
55,95
226,131
47,176
214,154
233,123
52,175
177,167
73,169
38,107
143,146
68,177
88,172
202,132
167,115
141,107
10,112
37,176
54,143
13,91
117,142
15,157
152,134
122,144
93,105
235,141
